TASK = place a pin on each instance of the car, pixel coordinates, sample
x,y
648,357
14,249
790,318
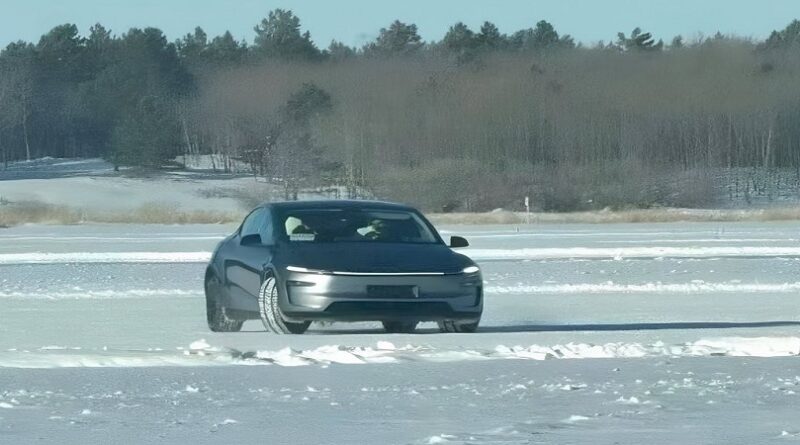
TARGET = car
x,y
292,263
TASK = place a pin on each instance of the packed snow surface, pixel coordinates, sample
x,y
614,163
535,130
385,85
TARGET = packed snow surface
x,y
656,333
200,353
476,254
93,185
105,257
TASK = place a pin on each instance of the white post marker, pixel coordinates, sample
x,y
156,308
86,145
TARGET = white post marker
x,y
527,210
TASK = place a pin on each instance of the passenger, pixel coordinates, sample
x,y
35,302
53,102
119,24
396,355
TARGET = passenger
x,y
376,230
297,230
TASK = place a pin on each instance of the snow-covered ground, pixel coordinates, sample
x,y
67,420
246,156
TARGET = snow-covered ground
x,y
665,333
92,185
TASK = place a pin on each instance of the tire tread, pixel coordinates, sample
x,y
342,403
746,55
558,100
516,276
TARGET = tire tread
x,y
271,313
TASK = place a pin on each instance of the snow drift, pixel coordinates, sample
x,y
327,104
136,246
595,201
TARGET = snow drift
x,y
201,353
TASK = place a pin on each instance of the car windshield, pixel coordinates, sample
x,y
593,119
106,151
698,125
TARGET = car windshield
x,y
354,225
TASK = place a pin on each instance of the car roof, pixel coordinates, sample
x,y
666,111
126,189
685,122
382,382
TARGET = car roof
x,y
336,204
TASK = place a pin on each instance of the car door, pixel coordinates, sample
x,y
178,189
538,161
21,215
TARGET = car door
x,y
245,267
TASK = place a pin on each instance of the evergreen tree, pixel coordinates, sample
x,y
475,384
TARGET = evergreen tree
x,y
339,51
193,49
638,41
300,157
489,37
460,41
788,37
398,39
542,37
225,52
134,93
16,96
147,135
279,36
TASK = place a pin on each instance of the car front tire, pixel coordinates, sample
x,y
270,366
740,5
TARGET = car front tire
x,y
271,314
218,320
456,326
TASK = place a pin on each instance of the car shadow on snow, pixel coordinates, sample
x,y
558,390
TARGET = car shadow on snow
x,y
534,327
635,326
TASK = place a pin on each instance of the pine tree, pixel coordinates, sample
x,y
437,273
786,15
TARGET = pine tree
x,y
279,36
638,41
489,37
398,39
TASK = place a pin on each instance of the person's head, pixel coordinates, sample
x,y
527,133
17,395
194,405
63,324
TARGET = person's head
x,y
378,225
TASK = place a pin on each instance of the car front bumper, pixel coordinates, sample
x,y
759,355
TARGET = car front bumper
x,y
352,296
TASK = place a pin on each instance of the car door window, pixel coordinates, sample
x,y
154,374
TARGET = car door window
x,y
253,223
265,228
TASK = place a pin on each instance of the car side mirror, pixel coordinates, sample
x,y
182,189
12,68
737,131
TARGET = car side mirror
x,y
457,241
253,239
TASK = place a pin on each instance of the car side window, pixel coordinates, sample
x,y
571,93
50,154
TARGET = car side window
x,y
265,229
253,223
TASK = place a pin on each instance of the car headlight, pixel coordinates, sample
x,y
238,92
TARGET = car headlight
x,y
304,270
471,269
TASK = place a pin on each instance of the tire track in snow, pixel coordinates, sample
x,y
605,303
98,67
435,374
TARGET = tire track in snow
x,y
477,254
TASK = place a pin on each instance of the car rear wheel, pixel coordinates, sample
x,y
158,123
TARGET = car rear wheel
x,y
271,314
400,327
218,320
458,326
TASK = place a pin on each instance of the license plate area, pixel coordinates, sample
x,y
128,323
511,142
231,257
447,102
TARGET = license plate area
x,y
392,291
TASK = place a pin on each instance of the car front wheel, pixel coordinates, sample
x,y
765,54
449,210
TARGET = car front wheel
x,y
271,314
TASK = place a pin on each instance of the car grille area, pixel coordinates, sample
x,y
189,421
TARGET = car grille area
x,y
392,292
350,308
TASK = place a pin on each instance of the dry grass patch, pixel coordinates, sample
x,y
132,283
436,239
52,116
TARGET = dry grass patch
x,y
13,214
163,214
660,215
781,214
502,217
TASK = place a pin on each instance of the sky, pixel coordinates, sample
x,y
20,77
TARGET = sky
x,y
356,22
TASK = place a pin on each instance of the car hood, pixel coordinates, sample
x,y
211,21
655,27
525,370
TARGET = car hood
x,y
373,257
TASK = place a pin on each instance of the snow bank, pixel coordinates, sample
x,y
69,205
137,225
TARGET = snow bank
x,y
104,257
619,253
476,254
200,353
694,287
212,162
106,294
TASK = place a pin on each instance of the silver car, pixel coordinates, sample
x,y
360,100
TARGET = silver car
x,y
292,263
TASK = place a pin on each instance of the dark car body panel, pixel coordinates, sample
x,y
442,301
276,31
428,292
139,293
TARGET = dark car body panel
x,y
359,281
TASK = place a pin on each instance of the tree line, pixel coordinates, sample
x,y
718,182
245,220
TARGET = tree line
x,y
474,121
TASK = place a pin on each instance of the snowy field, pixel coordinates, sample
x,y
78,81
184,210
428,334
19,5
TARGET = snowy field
x,y
92,186
658,333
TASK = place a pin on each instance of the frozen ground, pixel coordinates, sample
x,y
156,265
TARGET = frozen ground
x,y
92,185
664,333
